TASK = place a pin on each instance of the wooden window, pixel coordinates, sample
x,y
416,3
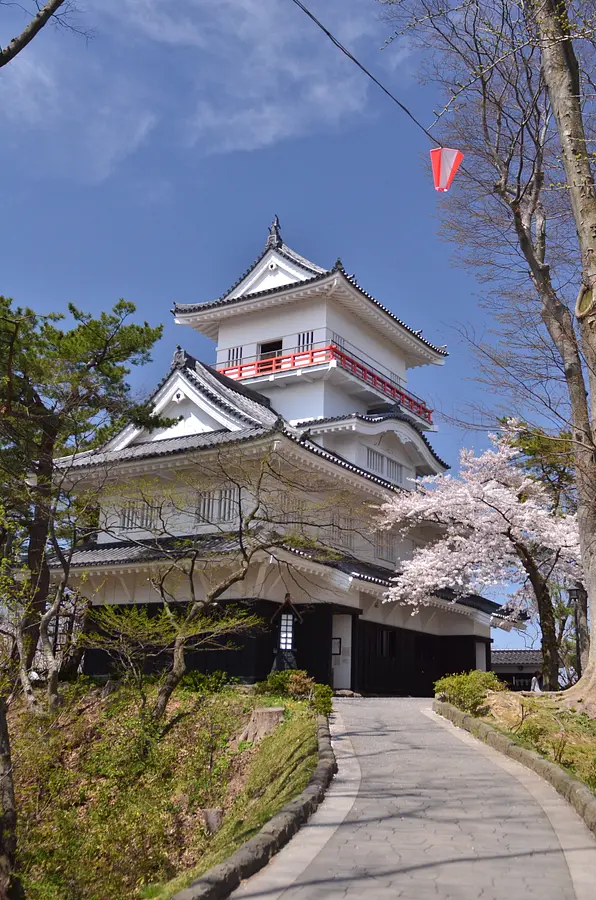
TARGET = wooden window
x,y
393,471
342,531
139,514
291,509
270,349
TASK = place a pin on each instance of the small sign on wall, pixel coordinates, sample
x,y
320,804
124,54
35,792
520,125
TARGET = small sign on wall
x,y
336,646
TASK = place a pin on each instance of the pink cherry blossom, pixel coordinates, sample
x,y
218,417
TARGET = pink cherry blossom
x,y
490,526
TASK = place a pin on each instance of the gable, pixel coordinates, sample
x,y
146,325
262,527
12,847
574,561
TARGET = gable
x,y
180,399
274,270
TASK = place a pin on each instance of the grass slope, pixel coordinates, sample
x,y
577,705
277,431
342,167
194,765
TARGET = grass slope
x,y
564,736
107,809
279,770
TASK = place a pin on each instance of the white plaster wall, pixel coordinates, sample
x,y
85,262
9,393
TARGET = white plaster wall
x,y
342,663
428,619
251,329
294,398
192,421
338,402
358,333
270,581
481,656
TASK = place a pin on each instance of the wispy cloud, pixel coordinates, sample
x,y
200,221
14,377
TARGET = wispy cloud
x,y
262,71
232,75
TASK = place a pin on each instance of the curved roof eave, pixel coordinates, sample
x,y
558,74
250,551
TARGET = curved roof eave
x,y
182,310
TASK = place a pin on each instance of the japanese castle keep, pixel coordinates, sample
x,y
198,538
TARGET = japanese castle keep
x,y
311,374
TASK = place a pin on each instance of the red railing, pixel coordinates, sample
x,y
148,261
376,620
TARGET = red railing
x,y
321,355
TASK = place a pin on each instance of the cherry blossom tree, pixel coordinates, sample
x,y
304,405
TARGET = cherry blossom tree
x,y
495,525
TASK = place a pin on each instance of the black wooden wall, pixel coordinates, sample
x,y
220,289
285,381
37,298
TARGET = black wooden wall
x,y
398,662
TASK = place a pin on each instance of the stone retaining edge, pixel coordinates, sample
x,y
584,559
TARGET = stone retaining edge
x,y
219,882
574,791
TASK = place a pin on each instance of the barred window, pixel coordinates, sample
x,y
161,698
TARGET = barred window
x,y
217,506
375,461
234,355
385,547
291,508
383,465
342,531
394,471
139,514
306,340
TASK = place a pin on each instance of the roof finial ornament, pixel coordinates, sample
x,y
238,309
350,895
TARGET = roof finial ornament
x,y
179,358
274,239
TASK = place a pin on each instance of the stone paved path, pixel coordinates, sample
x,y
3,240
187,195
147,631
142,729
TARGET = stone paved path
x,y
420,811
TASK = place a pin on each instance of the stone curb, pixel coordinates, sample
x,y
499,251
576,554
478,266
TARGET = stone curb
x,y
219,882
574,791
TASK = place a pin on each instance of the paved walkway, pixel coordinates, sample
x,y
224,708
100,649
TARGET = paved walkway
x,y
422,811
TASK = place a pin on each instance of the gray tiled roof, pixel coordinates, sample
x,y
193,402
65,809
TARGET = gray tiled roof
x,y
379,417
230,394
127,553
516,657
226,300
244,404
166,447
117,553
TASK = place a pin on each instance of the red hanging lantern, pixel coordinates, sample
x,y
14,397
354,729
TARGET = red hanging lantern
x,y
445,163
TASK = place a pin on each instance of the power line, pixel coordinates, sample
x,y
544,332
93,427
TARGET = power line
x,y
351,56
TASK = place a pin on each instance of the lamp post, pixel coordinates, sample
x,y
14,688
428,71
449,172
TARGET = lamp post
x,y
574,595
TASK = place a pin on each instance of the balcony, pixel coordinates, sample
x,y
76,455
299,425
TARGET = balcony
x,y
267,364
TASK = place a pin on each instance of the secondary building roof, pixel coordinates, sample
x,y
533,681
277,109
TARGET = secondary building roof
x,y
516,658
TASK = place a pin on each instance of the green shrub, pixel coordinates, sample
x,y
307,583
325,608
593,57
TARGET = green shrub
x,y
322,699
278,683
207,682
532,732
468,689
300,685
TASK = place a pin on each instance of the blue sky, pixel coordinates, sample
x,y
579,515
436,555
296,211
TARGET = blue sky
x,y
147,163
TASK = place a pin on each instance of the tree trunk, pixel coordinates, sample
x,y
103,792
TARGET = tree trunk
x,y
561,74
546,616
72,659
48,650
172,679
10,888
263,721
37,562
23,669
583,627
550,654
